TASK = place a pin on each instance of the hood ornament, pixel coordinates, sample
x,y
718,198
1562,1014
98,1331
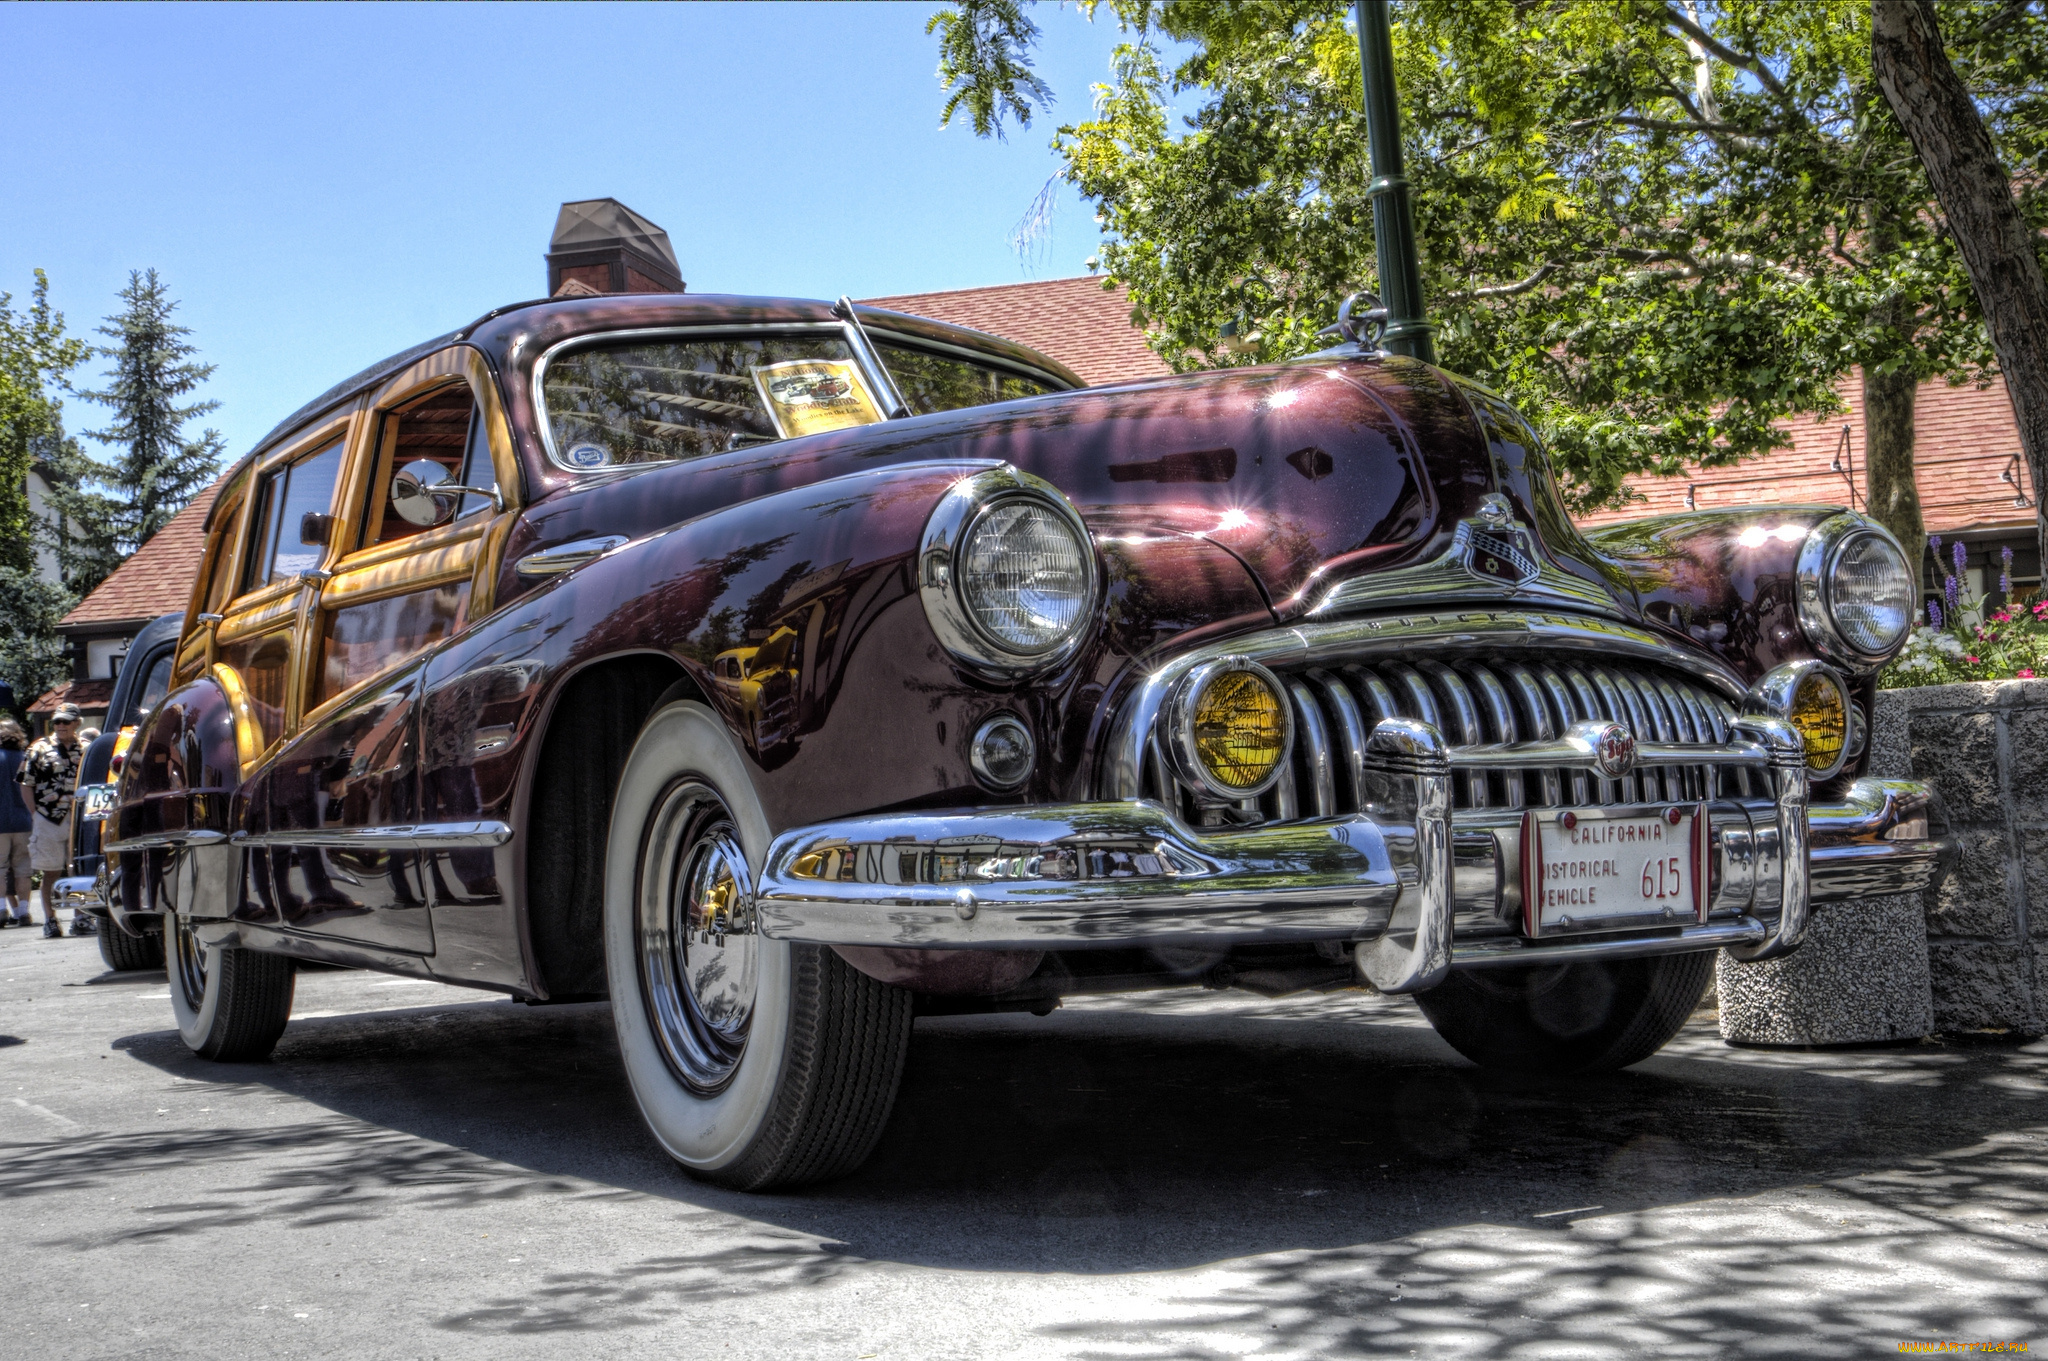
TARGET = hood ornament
x,y
1494,548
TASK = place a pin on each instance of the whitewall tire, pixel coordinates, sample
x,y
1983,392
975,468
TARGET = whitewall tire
x,y
755,1063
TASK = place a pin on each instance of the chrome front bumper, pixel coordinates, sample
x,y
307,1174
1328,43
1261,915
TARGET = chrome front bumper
x,y
1420,889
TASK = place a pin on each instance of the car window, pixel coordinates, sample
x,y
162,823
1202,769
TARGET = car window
x,y
657,401
155,685
444,426
938,382
283,499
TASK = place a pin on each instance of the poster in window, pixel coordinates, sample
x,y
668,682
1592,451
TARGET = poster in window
x,y
805,396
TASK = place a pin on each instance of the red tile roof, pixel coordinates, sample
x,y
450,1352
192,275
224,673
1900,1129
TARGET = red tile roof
x,y
158,578
86,694
1077,321
1963,439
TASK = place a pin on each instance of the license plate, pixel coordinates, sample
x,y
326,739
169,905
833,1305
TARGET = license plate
x,y
1603,869
95,801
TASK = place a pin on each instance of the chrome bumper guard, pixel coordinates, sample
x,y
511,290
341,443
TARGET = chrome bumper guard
x,y
81,892
1420,889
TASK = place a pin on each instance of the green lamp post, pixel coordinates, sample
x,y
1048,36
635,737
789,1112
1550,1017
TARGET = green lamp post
x,y
1393,222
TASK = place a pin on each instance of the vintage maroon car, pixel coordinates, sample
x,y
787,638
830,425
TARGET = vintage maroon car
x,y
784,671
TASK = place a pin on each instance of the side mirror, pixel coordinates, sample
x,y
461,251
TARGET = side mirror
x,y
422,494
316,528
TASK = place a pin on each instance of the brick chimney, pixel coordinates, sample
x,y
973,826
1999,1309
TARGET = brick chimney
x,y
602,246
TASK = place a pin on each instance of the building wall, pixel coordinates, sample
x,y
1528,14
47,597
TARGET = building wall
x,y
39,506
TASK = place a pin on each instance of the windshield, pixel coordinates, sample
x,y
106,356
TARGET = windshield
x,y
658,401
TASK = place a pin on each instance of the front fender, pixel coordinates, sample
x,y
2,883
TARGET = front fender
x,y
1724,580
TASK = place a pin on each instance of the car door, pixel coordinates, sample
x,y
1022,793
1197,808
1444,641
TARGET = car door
x,y
349,854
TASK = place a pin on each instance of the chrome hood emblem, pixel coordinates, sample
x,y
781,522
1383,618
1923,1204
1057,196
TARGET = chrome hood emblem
x,y
1494,548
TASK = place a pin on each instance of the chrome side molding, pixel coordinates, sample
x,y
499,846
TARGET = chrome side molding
x,y
565,557
422,836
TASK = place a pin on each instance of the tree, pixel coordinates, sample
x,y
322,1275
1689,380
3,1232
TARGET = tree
x,y
32,656
35,356
1658,227
113,507
1999,245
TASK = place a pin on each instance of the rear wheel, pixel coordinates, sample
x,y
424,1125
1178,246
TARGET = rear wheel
x,y
124,953
231,1003
755,1063
1568,1018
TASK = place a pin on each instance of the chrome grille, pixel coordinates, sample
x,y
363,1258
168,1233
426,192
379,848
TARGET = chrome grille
x,y
1477,702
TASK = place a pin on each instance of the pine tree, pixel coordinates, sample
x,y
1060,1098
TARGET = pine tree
x,y
113,507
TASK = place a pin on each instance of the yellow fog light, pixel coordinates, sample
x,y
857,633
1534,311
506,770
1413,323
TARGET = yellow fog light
x,y
1814,700
1822,717
1231,726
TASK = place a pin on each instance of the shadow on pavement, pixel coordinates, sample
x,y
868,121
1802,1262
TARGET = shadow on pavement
x,y
1376,1179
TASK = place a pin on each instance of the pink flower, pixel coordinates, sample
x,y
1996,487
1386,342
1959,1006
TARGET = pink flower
x,y
1971,660
2025,673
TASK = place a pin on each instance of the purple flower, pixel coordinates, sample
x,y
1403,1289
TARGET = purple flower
x,y
1952,594
1959,555
2005,570
1934,542
1934,611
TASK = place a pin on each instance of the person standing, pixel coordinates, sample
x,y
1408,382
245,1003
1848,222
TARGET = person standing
x,y
15,821
49,777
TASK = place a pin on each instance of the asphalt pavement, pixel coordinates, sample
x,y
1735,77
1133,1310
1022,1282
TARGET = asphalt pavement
x,y
422,1171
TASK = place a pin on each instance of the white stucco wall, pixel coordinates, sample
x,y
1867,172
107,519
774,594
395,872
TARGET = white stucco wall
x,y
39,506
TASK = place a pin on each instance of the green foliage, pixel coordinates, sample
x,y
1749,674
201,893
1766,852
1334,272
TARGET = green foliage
x,y
112,507
984,63
32,656
1658,228
35,355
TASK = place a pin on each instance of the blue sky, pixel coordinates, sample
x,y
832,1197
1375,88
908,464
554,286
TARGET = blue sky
x,y
323,185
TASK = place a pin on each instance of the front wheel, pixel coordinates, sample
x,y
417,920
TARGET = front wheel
x,y
231,1003
755,1063
1568,1018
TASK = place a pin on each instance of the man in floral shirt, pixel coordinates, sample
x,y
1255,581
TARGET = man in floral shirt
x,y
48,782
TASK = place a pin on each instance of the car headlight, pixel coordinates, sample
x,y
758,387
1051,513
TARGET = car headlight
x,y
1857,593
1229,728
1813,699
1007,573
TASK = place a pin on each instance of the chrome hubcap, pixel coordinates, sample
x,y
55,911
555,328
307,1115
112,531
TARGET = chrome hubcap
x,y
695,935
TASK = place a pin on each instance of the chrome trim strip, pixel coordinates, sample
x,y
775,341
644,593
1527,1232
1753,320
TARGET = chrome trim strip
x,y
203,836
424,836
566,557
1515,950
1578,750
1333,642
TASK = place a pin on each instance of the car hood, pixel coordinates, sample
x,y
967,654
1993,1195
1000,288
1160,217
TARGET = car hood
x,y
1307,473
